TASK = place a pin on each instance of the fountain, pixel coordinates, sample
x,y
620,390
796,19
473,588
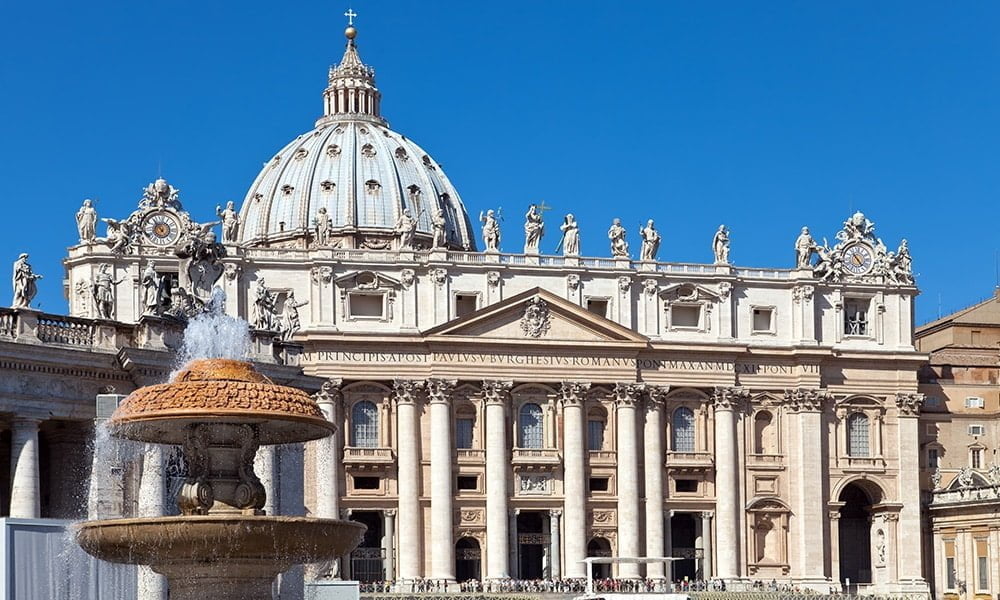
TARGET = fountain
x,y
222,545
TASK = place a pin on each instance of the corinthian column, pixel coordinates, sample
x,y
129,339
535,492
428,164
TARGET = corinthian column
x,y
408,479
24,493
575,500
626,395
810,514
497,464
727,512
909,555
329,398
442,496
652,436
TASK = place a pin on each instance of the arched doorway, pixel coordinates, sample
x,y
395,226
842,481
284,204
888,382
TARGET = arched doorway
x,y
468,559
683,535
599,546
855,533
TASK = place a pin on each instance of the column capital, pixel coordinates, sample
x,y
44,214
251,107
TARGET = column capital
x,y
389,513
572,393
807,399
909,404
555,513
729,398
627,393
439,390
707,515
496,391
656,396
25,422
330,392
404,391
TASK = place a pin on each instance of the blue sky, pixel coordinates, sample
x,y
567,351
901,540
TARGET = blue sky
x,y
762,116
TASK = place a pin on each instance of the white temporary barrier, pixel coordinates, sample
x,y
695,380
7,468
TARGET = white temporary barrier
x,y
40,561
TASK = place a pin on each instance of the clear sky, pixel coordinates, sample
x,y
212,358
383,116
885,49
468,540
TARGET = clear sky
x,y
762,116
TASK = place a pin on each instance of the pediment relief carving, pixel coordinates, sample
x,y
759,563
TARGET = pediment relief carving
x,y
367,280
688,292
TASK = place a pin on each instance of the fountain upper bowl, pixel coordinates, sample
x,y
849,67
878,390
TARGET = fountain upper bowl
x,y
219,391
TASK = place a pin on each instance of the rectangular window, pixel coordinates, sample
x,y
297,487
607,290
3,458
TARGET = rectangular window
x,y
468,483
367,483
598,306
949,567
763,320
685,316
856,317
976,430
982,566
687,486
465,304
595,434
598,484
932,458
366,305
976,458
974,402
463,433
932,402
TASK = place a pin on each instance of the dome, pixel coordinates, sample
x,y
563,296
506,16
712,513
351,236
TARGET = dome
x,y
361,172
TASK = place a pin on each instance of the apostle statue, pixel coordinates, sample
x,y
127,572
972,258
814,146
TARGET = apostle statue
x,y
534,229
619,246
230,222
322,226
439,225
292,321
406,227
264,306
24,282
103,290
650,241
151,292
720,246
805,246
570,242
86,222
491,230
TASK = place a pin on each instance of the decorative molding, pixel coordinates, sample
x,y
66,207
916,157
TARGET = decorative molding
x,y
627,394
407,277
232,271
802,293
725,288
439,390
439,276
322,275
404,391
729,398
573,393
909,404
496,391
806,400
573,282
649,287
624,284
493,278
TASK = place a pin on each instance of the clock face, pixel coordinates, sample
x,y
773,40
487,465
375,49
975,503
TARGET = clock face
x,y
858,259
161,229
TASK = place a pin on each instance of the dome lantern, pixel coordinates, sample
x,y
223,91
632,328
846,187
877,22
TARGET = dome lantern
x,y
351,93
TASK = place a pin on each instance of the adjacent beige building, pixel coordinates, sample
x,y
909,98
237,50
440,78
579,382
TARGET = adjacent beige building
x,y
960,435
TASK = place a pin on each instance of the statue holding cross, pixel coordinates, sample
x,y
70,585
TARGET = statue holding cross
x,y
534,228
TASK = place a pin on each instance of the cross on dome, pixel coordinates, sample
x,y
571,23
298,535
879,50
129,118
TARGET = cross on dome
x,y
350,14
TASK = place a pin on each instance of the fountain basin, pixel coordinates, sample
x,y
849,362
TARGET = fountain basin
x,y
218,538
219,390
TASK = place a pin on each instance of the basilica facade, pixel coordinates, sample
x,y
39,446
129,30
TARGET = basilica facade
x,y
506,415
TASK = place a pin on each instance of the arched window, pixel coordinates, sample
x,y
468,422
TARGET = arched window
x,y
763,442
364,425
530,426
596,425
682,432
857,435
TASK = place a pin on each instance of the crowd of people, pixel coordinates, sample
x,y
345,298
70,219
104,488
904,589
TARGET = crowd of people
x,y
575,586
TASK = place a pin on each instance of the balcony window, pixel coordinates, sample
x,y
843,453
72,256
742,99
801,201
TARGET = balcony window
x,y
856,317
682,432
595,434
530,426
858,436
463,432
364,425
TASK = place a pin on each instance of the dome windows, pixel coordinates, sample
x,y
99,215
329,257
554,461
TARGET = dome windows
x,y
327,186
300,154
427,162
287,189
368,151
401,154
373,187
414,193
333,150
363,130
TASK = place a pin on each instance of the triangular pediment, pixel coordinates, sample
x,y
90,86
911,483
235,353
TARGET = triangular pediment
x,y
537,316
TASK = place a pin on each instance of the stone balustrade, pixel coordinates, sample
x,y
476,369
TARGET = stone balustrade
x,y
355,454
